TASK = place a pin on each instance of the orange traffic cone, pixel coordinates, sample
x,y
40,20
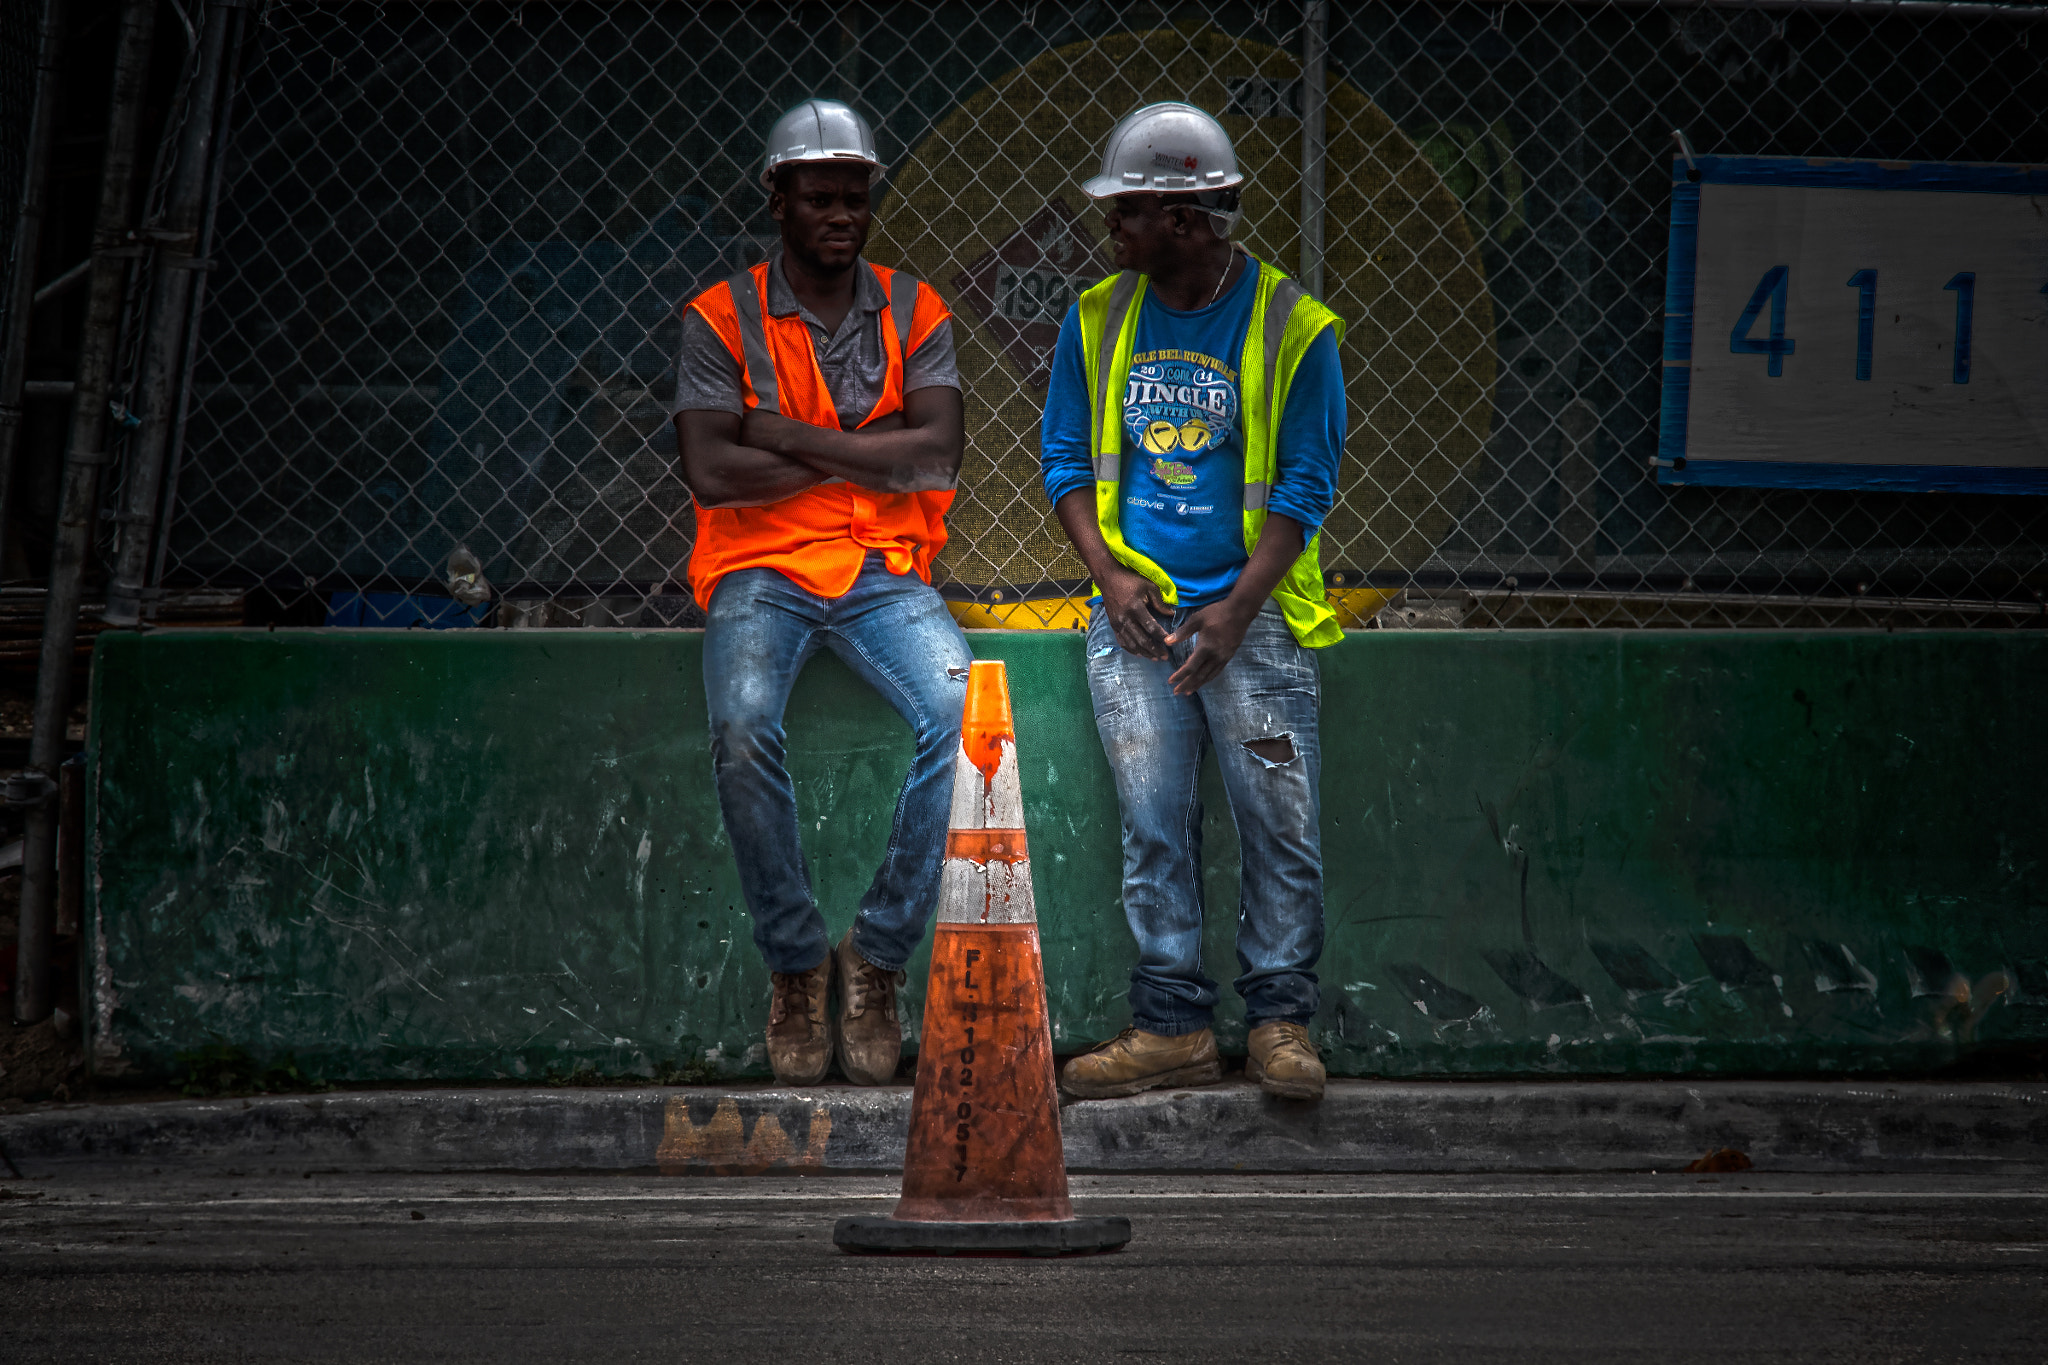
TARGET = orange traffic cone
x,y
984,1171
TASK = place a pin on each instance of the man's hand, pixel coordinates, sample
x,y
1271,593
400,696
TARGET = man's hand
x,y
1133,605
1217,629
1221,626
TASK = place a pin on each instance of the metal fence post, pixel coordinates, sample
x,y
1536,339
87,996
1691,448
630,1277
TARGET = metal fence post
x,y
21,287
164,344
78,506
1315,17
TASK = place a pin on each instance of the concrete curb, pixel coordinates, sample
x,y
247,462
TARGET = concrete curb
x,y
1360,1126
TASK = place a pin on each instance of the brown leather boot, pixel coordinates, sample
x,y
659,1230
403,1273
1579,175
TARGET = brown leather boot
x,y
1135,1060
1280,1057
870,1036
799,1028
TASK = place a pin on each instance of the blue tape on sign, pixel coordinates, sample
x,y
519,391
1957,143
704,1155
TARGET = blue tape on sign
x,y
1678,294
1866,478
1822,174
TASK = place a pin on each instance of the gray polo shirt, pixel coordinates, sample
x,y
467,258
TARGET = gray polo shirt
x,y
855,367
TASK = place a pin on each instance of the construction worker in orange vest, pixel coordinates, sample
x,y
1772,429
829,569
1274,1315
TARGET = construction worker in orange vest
x,y
818,416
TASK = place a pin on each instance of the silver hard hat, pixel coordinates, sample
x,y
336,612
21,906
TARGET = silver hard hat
x,y
820,131
1171,148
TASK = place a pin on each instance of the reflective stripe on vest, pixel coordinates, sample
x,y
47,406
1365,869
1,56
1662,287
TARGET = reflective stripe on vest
x,y
747,307
1107,438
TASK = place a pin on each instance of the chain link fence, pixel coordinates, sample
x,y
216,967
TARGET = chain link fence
x,y
454,239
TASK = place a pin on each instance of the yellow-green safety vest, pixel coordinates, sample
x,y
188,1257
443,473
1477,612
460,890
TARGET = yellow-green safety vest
x,y
1284,321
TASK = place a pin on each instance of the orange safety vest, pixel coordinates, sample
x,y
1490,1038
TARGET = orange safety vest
x,y
818,537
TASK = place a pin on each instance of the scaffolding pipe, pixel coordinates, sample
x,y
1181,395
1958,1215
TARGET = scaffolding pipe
x,y
167,498
22,294
1315,20
178,265
113,248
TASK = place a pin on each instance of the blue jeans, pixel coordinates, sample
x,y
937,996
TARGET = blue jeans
x,y
1261,714
895,632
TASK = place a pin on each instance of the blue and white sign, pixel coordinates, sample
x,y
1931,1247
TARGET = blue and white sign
x,y
1857,324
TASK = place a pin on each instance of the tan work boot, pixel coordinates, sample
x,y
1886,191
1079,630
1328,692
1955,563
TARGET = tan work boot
x,y
799,1027
870,1038
1283,1061
1135,1060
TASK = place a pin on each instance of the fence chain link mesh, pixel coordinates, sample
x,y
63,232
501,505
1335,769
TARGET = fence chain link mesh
x,y
454,240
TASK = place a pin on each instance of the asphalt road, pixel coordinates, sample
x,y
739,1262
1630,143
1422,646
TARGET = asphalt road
x,y
168,1266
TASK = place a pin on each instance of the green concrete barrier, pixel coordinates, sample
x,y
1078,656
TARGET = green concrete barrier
x,y
474,854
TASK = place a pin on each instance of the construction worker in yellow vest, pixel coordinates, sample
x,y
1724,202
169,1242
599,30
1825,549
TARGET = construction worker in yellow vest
x,y
1191,439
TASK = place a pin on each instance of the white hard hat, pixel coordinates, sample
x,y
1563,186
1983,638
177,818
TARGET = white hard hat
x,y
1171,148
820,131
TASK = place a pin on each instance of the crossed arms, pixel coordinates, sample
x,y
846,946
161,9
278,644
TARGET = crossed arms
x,y
751,461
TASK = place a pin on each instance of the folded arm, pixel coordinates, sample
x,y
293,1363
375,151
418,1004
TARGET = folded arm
x,y
751,461
723,471
914,452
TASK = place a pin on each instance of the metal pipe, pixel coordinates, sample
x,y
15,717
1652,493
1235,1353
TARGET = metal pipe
x,y
78,505
178,263
64,283
1315,19
22,294
167,501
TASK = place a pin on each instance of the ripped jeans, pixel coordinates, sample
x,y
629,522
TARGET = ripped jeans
x,y
895,633
1260,713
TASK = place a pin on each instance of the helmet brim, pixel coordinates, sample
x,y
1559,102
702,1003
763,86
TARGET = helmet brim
x,y
1110,186
874,167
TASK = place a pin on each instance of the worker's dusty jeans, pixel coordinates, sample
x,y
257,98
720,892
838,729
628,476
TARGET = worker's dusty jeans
x,y
1261,715
895,633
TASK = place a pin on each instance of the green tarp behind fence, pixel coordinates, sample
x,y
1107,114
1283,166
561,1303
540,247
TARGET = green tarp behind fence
x,y
498,853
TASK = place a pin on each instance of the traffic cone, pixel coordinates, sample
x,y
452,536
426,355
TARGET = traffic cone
x,y
983,1171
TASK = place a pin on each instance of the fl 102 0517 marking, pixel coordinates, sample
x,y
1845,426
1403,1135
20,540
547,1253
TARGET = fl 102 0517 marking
x,y
969,1011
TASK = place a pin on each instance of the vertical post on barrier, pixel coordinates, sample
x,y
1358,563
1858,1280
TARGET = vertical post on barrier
x,y
28,232
178,265
78,506
1315,18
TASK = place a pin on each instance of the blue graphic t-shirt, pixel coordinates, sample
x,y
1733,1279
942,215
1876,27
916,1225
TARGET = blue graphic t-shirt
x,y
1182,500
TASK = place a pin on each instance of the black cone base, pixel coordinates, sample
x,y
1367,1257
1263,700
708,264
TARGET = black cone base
x,y
1073,1237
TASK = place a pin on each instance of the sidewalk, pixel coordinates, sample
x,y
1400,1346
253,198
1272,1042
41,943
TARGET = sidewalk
x,y
1360,1126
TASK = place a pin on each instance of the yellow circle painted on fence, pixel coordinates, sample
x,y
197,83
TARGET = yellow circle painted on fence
x,y
989,209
